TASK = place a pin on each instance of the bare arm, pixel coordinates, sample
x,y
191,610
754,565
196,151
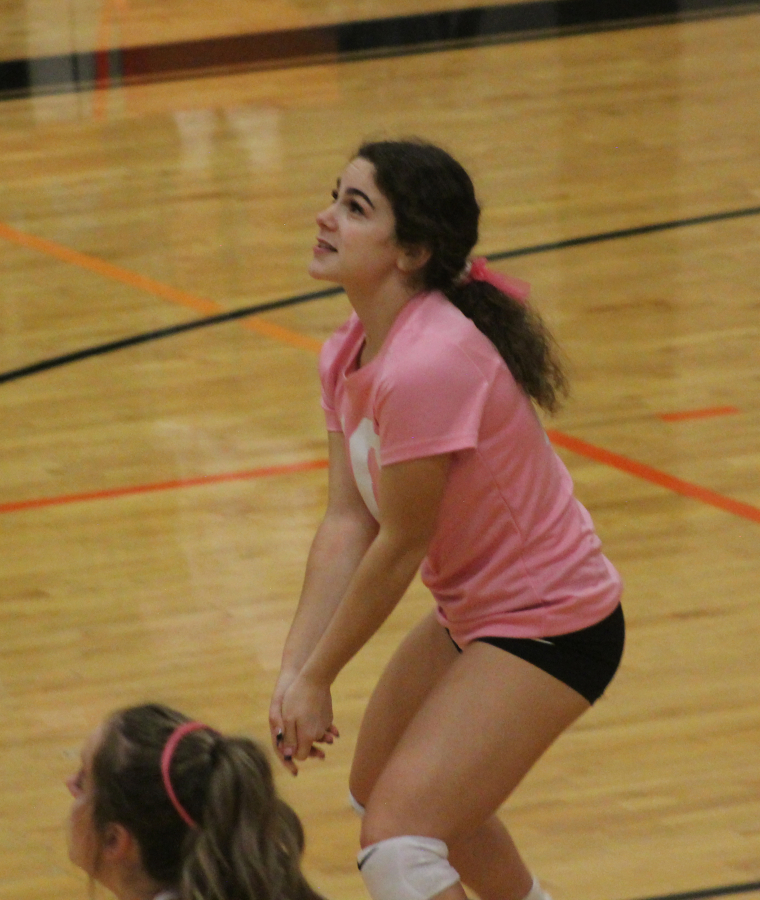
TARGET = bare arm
x,y
410,496
342,539
343,536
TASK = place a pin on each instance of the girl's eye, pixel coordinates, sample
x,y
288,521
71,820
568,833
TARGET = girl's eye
x,y
76,783
352,205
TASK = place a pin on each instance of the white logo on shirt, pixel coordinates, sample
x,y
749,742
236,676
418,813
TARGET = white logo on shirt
x,y
361,444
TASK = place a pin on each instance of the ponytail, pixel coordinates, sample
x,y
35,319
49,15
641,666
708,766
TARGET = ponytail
x,y
249,843
220,832
519,334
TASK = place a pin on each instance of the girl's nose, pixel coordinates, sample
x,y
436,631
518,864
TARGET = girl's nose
x,y
71,785
325,217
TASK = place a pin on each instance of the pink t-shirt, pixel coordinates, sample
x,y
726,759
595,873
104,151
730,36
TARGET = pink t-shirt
x,y
514,553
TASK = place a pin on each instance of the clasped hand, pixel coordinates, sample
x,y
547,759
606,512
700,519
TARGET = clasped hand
x,y
300,717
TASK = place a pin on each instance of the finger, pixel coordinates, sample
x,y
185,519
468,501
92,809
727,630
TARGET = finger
x,y
277,743
316,753
303,750
286,757
290,766
329,736
275,722
296,744
287,744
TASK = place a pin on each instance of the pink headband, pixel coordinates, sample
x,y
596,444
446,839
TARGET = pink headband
x,y
166,761
516,288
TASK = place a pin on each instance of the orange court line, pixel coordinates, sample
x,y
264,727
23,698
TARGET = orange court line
x,y
698,413
266,472
269,329
575,445
655,476
150,286
284,335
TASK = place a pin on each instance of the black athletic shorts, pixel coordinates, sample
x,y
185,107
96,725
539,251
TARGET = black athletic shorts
x,y
585,660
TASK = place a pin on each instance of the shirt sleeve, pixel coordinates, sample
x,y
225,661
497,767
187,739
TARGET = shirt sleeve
x,y
330,359
431,404
328,405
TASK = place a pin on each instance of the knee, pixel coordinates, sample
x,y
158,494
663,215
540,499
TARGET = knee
x,y
359,788
358,807
368,832
381,821
393,810
406,868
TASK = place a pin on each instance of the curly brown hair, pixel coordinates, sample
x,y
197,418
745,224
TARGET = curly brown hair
x,y
435,207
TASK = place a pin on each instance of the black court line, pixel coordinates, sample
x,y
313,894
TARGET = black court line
x,y
244,312
724,891
499,23
626,233
170,331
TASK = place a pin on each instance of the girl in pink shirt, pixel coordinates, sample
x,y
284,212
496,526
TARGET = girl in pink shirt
x,y
438,459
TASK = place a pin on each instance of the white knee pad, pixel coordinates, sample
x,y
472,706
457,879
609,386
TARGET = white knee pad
x,y
537,892
406,868
358,808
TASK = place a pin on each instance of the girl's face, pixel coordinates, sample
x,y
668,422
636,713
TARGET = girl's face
x,y
83,836
356,243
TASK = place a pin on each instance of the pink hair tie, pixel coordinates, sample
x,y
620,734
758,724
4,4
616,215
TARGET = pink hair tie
x,y
166,761
515,288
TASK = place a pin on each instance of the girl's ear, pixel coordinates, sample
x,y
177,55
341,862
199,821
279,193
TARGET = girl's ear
x,y
119,846
412,259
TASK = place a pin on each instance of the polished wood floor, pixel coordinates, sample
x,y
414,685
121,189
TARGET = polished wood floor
x,y
158,501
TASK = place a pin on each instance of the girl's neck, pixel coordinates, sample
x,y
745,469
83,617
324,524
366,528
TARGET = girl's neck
x,y
377,314
140,888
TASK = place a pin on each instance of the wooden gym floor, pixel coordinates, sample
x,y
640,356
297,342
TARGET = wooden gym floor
x,y
163,461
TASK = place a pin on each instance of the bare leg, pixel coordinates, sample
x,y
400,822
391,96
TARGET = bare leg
x,y
418,664
486,856
488,718
489,863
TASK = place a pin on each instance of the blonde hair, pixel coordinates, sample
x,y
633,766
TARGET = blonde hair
x,y
248,842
